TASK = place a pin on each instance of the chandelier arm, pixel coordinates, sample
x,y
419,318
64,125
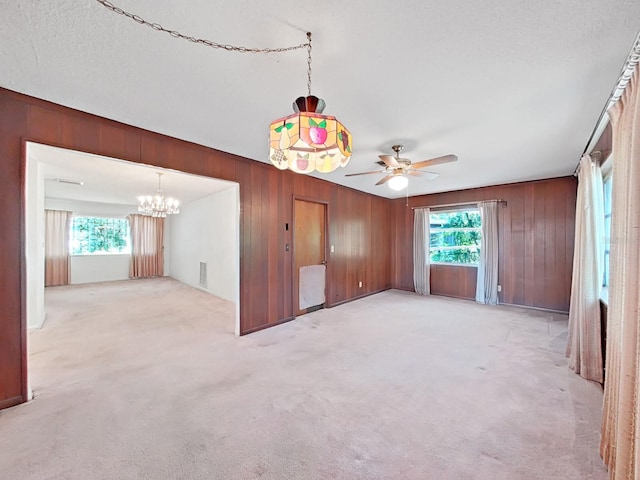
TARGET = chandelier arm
x,y
208,43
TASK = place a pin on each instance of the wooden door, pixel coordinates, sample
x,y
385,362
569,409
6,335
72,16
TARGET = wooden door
x,y
309,245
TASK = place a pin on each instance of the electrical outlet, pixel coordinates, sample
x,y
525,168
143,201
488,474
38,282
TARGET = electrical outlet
x,y
499,288
359,284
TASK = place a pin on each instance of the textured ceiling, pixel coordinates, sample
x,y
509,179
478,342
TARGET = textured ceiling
x,y
513,88
106,180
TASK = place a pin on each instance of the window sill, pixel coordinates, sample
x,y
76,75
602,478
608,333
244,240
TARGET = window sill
x,y
88,255
451,264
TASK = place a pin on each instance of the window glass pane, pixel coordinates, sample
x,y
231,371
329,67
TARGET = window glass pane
x,y
99,236
455,236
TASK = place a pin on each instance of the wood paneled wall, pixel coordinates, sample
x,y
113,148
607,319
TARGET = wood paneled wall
x,y
358,222
536,232
453,280
372,236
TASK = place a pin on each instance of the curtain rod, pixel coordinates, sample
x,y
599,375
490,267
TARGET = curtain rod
x,y
623,80
596,155
460,204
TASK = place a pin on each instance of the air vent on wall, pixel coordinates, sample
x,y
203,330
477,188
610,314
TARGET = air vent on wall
x,y
203,274
69,182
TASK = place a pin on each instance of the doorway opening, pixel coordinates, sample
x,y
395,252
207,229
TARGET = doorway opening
x,y
200,251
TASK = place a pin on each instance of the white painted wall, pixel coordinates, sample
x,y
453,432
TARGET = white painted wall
x,y
207,230
101,268
34,243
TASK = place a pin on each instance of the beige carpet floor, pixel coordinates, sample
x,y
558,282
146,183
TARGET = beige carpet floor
x,y
150,383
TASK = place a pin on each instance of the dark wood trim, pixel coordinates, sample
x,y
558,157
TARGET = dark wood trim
x,y
604,318
11,402
404,289
368,294
264,327
457,297
539,309
466,299
24,353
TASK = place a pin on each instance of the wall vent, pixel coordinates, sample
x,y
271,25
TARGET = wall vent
x,y
203,274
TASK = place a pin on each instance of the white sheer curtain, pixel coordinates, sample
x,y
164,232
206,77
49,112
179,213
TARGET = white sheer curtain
x,y
487,283
421,251
147,246
620,439
584,345
57,269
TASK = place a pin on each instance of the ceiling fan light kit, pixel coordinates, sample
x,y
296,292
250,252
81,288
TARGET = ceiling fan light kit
x,y
398,182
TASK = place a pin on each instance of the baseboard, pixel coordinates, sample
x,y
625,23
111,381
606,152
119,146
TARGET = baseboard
x,y
452,296
541,309
268,325
11,402
341,302
404,289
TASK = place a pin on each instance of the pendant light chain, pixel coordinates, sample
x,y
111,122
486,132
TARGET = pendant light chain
x,y
209,43
309,63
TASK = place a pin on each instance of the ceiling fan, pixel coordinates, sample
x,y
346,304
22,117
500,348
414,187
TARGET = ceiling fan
x,y
397,169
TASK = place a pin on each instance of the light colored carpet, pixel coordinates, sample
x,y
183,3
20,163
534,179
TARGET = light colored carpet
x,y
150,383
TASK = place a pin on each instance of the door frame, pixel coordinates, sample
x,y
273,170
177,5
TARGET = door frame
x,y
294,274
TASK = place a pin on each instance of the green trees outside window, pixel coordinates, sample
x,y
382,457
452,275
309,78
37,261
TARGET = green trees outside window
x,y
94,235
455,236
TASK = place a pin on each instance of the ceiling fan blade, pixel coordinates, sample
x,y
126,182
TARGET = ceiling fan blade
x,y
426,175
436,161
389,160
385,179
364,173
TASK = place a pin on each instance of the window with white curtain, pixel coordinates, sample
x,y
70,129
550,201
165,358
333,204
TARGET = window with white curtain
x,y
455,236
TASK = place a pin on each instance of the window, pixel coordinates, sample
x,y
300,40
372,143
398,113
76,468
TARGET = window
x,y
99,236
607,228
455,236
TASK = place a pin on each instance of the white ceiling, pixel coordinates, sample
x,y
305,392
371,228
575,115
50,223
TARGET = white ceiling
x,y
514,88
106,180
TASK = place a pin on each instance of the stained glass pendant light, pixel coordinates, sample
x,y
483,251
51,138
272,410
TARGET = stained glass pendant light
x,y
307,140
158,205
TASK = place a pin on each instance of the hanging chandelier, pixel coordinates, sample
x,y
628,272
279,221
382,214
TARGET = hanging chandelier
x,y
307,140
157,205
